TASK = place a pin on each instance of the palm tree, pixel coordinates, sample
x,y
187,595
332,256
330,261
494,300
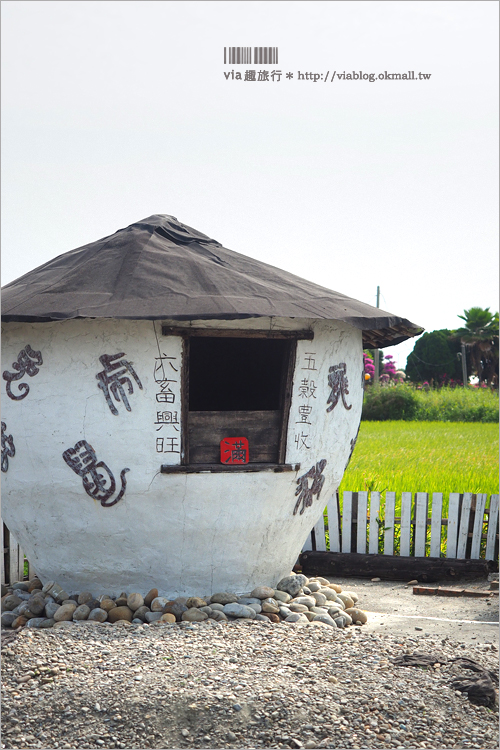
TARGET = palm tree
x,y
480,336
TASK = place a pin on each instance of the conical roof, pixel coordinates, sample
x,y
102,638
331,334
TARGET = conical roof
x,y
159,268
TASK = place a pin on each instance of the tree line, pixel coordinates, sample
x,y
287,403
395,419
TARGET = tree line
x,y
437,356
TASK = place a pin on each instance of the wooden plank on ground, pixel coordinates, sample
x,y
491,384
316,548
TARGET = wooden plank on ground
x,y
333,523
475,551
463,530
492,528
319,533
421,523
390,512
346,521
437,510
362,520
374,516
451,539
393,567
404,543
432,591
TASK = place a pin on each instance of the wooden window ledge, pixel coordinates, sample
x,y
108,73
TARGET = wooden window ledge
x,y
227,469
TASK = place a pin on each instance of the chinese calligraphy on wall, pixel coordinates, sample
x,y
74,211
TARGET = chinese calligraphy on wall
x,y
99,485
167,374
306,395
339,386
113,379
28,363
308,485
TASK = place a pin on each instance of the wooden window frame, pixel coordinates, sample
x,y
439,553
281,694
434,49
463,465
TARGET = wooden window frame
x,y
286,395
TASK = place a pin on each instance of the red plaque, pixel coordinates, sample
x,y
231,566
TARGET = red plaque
x,y
234,450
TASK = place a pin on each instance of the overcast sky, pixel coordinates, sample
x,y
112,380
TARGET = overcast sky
x,y
113,111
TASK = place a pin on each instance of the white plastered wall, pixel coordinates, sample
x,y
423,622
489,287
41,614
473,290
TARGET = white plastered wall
x,y
183,533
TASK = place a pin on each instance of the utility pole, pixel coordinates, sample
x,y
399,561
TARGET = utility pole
x,y
376,355
464,366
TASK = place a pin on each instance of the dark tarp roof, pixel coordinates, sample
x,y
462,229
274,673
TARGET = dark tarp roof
x,y
159,268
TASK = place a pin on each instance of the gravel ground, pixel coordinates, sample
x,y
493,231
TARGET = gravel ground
x,y
237,684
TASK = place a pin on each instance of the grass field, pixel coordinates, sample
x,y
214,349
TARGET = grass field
x,y
424,457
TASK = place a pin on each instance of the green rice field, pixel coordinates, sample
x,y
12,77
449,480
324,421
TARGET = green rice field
x,y
424,457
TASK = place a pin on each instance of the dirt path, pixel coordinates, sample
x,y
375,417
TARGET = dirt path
x,y
392,606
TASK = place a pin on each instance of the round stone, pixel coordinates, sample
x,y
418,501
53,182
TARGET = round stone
x,y
308,601
107,604
271,616
285,612
195,601
194,614
219,616
174,608
224,597
98,614
167,617
7,619
330,594
120,613
158,603
319,598
262,592
48,623
134,601
51,608
19,622
36,622
10,602
20,585
37,604
352,595
298,607
348,602
281,596
298,618
152,594
239,610
65,612
85,597
270,606
326,619
313,586
35,585
153,616
292,584
357,615
215,606
335,587
140,613
82,612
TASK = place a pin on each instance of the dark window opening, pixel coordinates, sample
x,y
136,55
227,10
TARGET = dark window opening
x,y
230,374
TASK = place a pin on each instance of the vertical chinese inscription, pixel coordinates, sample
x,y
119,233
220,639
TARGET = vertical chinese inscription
x,y
308,485
167,396
28,363
8,448
99,485
339,386
113,379
305,392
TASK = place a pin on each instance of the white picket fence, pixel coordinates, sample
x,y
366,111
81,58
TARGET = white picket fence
x,y
471,519
13,558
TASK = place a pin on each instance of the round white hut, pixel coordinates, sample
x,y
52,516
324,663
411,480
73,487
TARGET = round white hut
x,y
175,414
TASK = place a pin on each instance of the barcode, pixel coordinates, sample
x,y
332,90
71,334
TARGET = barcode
x,y
243,55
